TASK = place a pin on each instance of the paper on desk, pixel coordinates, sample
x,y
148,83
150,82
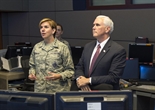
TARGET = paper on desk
x,y
5,64
19,61
10,64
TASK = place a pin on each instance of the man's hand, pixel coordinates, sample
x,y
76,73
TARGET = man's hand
x,y
85,88
82,81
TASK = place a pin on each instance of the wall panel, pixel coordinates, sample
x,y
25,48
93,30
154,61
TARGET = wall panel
x,y
132,23
77,24
14,5
42,5
63,5
18,24
34,19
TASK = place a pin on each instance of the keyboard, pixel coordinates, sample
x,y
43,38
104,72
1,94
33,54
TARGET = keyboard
x,y
146,82
150,87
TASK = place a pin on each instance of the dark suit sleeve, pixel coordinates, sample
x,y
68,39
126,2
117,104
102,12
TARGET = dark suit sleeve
x,y
79,68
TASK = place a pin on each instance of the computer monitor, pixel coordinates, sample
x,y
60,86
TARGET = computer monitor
x,y
17,102
26,94
28,44
147,73
26,51
143,51
103,100
131,70
13,51
76,54
17,50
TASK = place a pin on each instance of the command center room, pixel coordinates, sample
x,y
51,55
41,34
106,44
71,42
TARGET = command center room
x,y
134,30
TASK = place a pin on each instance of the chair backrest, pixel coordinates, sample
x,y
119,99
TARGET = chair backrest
x,y
141,40
26,67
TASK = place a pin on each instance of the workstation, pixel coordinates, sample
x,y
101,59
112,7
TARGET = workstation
x,y
142,85
6,77
139,75
13,65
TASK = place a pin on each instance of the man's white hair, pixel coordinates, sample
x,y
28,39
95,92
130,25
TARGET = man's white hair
x,y
107,22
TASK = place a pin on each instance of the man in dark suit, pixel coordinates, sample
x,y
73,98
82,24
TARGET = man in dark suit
x,y
108,66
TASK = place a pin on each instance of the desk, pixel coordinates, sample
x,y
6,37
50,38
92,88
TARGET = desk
x,y
144,99
6,76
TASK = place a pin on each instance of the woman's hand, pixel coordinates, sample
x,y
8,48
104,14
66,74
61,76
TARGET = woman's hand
x,y
32,77
53,76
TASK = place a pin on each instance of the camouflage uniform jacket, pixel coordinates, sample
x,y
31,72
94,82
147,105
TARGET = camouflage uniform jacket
x,y
65,42
56,58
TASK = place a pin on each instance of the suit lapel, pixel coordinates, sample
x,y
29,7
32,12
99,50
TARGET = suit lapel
x,y
89,53
104,51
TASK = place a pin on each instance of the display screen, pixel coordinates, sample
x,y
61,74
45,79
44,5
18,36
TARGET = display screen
x,y
16,50
26,51
25,95
147,73
17,102
131,70
143,51
76,54
101,100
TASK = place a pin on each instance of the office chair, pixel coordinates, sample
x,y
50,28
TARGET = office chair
x,y
28,44
28,84
141,40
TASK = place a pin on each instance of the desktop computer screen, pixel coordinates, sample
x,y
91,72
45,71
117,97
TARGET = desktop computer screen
x,y
76,54
26,51
25,95
12,51
131,70
16,102
103,100
17,50
147,73
143,51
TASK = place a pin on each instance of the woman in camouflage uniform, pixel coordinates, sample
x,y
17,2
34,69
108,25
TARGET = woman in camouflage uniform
x,y
51,64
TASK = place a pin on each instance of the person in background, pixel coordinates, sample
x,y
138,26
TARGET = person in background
x,y
103,73
50,62
59,33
